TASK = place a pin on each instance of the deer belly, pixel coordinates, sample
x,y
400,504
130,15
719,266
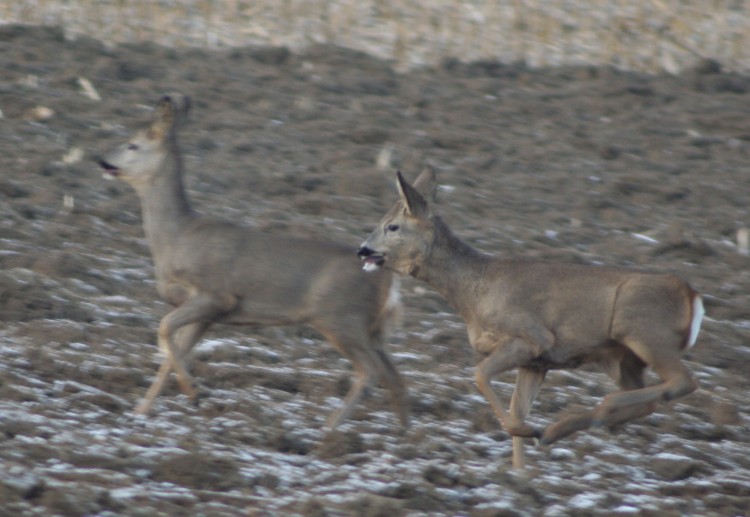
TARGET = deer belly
x,y
570,357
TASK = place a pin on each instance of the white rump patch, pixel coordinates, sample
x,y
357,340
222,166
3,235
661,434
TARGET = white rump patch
x,y
695,325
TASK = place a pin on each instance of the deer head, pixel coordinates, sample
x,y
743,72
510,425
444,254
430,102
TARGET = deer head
x,y
141,158
403,237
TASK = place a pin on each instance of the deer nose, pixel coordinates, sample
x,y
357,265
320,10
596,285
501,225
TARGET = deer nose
x,y
364,251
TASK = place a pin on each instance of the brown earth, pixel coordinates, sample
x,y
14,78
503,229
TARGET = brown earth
x,y
589,165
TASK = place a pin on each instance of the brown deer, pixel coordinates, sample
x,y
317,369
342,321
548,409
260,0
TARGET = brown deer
x,y
215,271
538,316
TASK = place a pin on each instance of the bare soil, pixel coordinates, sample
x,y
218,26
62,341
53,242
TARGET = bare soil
x,y
589,165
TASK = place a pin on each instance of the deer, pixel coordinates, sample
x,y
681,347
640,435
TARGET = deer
x,y
217,271
534,316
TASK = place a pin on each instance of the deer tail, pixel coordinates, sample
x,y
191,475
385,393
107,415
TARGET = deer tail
x,y
696,319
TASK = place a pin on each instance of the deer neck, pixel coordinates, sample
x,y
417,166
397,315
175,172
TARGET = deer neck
x,y
166,208
453,268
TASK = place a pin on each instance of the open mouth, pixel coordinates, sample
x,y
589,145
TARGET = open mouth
x,y
373,262
110,171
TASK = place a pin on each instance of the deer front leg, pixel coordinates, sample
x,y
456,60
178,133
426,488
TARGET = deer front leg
x,y
351,341
191,319
503,358
362,381
185,339
157,386
528,382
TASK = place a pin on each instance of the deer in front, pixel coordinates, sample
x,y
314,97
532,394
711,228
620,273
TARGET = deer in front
x,y
537,316
214,271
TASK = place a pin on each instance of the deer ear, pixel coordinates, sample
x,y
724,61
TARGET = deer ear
x,y
180,107
426,184
414,203
170,112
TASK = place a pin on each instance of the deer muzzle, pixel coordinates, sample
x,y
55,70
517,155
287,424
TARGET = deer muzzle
x,y
371,258
110,171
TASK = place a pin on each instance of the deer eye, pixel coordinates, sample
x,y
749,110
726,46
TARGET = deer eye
x,y
133,147
392,228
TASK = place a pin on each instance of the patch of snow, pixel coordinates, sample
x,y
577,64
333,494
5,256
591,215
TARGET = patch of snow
x,y
671,456
587,500
560,454
644,238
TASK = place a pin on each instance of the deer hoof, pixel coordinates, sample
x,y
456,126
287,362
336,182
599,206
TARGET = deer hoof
x,y
551,434
201,393
142,408
546,440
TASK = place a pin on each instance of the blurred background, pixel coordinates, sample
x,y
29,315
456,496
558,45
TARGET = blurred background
x,y
646,35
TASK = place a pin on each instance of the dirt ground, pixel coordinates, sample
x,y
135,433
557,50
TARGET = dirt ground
x,y
587,165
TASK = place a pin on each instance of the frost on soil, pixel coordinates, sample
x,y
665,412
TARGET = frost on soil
x,y
290,143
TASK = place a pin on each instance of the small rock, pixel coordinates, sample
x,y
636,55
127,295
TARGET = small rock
x,y
12,189
724,413
440,476
39,113
25,484
673,467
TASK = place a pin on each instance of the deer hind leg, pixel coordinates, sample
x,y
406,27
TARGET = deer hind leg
x,y
528,382
677,381
503,358
394,383
627,371
364,348
362,381
629,376
388,376
353,347
178,332
634,400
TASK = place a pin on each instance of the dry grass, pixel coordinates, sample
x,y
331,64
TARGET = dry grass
x,y
648,35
